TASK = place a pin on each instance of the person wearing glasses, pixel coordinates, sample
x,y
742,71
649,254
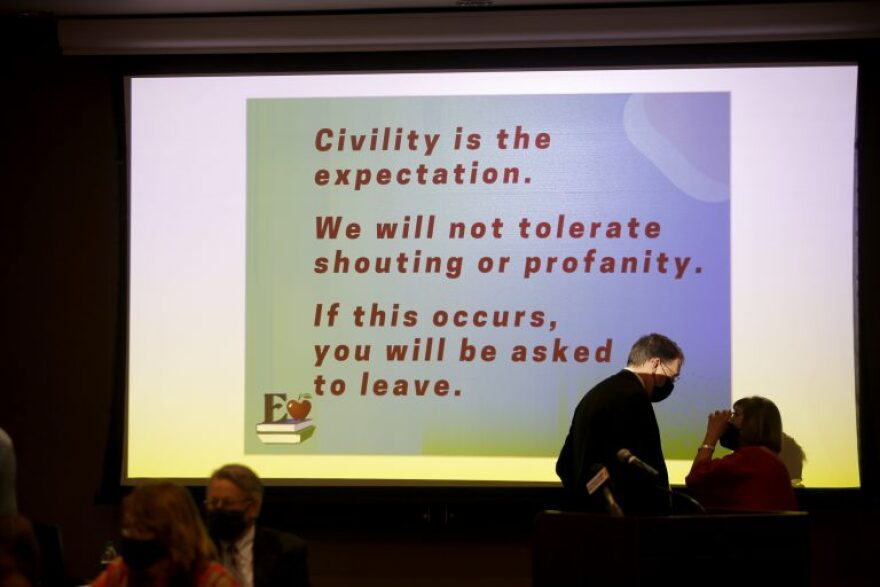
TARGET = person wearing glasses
x,y
752,477
257,556
164,543
618,414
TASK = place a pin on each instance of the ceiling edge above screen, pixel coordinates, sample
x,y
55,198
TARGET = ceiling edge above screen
x,y
496,29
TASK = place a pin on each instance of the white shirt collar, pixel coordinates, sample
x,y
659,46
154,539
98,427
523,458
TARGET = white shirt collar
x,y
247,539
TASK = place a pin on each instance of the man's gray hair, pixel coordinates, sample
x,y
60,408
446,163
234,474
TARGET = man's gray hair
x,y
243,478
653,345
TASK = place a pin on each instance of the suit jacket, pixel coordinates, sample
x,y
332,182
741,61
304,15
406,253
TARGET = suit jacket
x,y
615,414
280,559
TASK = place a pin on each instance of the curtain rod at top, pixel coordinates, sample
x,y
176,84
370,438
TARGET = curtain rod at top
x,y
561,27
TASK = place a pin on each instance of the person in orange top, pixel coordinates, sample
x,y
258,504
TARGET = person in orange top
x,y
164,543
752,477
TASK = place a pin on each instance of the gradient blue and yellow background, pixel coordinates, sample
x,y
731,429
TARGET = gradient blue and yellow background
x,y
661,158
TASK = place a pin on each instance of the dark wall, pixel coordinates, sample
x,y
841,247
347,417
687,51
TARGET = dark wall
x,y
868,272
62,188
61,235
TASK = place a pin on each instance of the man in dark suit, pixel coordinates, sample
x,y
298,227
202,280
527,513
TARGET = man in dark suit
x,y
257,556
617,414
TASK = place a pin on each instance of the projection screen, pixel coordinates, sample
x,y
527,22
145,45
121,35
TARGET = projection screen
x,y
412,278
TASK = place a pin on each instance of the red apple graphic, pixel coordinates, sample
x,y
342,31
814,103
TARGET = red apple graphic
x,y
300,407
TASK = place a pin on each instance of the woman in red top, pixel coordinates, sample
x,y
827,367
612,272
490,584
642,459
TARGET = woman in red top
x,y
752,477
164,543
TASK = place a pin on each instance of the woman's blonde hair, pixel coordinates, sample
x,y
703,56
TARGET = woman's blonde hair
x,y
168,511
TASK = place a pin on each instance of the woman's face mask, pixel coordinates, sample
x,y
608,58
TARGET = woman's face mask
x,y
140,555
730,438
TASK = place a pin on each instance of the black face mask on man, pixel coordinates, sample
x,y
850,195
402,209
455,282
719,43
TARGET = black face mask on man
x,y
661,392
140,555
226,525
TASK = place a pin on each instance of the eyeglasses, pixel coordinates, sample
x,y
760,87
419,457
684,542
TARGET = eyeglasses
x,y
666,372
222,503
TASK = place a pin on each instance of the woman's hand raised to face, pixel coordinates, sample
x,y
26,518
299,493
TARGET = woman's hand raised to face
x,y
718,422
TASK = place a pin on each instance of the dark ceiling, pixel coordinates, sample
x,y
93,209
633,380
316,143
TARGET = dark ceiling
x,y
93,8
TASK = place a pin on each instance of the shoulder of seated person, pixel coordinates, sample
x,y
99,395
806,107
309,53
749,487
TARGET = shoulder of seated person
x,y
281,536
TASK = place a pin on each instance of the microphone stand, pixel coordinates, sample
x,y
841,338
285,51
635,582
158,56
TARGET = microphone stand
x,y
695,505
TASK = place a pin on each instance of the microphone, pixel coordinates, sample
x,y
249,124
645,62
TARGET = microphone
x,y
625,456
600,482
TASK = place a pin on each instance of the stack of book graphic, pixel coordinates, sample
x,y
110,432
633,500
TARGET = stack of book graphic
x,y
288,431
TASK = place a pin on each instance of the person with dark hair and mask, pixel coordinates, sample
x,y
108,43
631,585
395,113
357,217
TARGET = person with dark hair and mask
x,y
19,552
8,505
618,414
164,543
256,555
752,477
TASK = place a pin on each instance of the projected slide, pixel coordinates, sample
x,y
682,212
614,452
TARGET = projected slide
x,y
432,283
414,278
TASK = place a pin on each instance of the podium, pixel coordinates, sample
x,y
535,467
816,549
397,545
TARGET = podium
x,y
746,549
